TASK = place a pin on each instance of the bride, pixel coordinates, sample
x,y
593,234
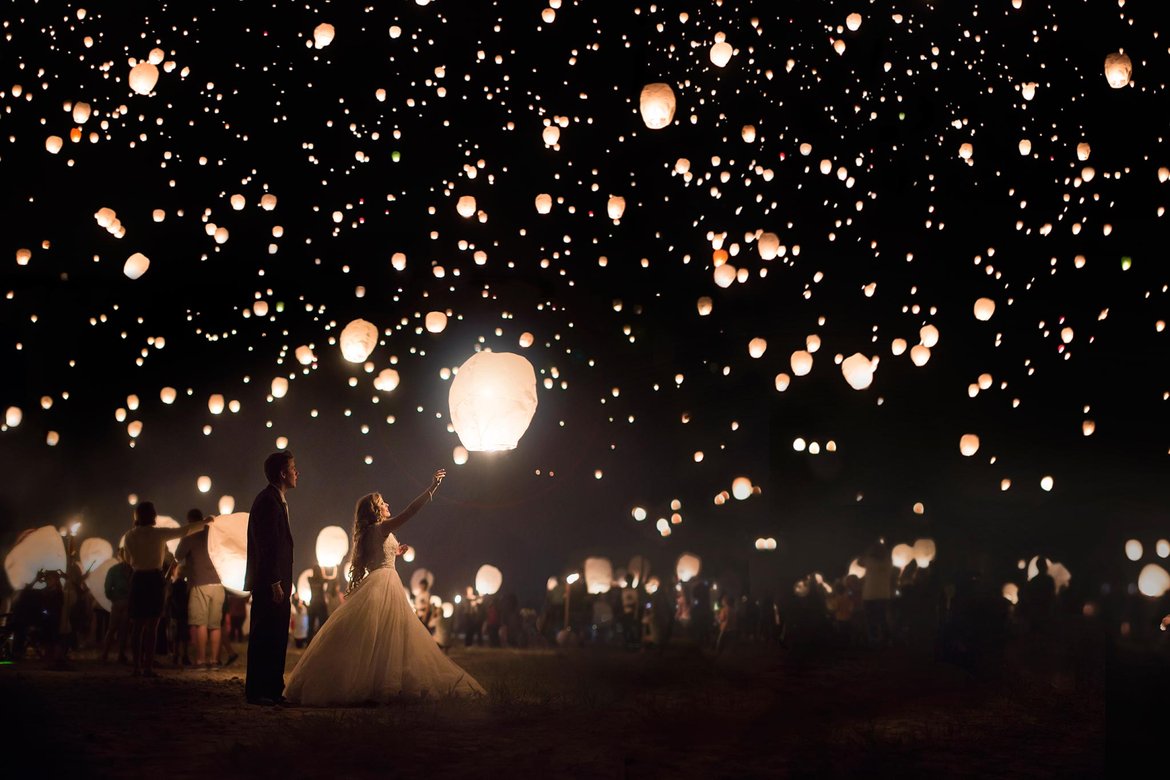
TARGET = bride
x,y
374,648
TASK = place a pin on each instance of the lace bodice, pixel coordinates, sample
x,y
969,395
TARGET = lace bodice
x,y
379,552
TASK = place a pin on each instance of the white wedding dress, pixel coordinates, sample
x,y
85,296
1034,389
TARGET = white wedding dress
x,y
374,648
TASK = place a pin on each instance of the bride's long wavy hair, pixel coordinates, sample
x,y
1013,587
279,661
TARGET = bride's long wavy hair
x,y
365,515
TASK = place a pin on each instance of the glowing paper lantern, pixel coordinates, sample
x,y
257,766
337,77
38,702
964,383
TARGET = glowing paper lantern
x,y
1118,69
1011,592
227,546
466,206
687,567
1133,550
304,587
1083,151
924,552
417,578
928,335
919,355
782,382
1046,484
304,355
136,265
1025,147
53,144
704,306
13,416
1153,581
94,551
436,322
901,555
358,340
322,35
543,203
268,201
492,400
657,105
550,135
526,339
898,346
143,77
598,575
95,580
215,403
768,246
801,362
721,54
332,545
459,455
969,444
853,22
279,387
741,488
984,308
408,556
226,504
725,275
488,580
858,370
616,207
167,395
757,347
748,133
204,484
1162,548
966,150
386,380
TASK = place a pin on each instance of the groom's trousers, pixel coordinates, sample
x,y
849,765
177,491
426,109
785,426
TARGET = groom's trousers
x,y
267,644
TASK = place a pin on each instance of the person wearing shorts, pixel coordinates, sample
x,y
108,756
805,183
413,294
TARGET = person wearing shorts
x,y
206,594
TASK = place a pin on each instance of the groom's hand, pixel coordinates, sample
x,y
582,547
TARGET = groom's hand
x,y
277,593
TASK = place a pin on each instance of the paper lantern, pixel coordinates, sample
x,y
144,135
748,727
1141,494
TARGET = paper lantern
x,y
143,77
748,133
984,308
550,135
1083,151
279,387
928,335
856,569
488,580
801,362
919,355
305,587
1025,147
1118,69
853,22
204,484
782,381
616,207
13,416
386,380
304,355
215,403
408,556
1162,548
526,340
95,580
901,555
704,305
1133,550
53,144
358,340
23,256
741,488
416,579
163,521
657,105
598,575
436,322
322,35
688,567
543,203
492,400
768,246
724,275
969,444
1046,484
332,545
638,570
94,551
924,552
459,455
268,201
227,546
966,150
1153,581
167,395
652,585
858,370
1011,592
898,346
226,504
466,206
136,265
721,54
757,347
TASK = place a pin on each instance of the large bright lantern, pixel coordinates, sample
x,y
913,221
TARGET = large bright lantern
x,y
801,362
1154,581
492,400
488,580
358,340
598,575
968,444
227,546
136,265
143,77
96,582
688,567
858,370
36,550
323,35
94,551
1118,69
332,545
657,105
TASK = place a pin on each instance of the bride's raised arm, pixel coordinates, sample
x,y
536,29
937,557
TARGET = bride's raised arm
x,y
392,524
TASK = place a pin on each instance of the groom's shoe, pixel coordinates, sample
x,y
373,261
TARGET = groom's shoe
x,y
262,701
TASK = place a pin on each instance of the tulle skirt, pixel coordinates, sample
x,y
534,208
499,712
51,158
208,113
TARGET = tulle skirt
x,y
373,648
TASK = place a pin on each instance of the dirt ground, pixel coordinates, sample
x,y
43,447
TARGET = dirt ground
x,y
757,710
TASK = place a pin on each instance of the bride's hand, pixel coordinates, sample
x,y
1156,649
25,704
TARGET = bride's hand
x,y
402,548
437,479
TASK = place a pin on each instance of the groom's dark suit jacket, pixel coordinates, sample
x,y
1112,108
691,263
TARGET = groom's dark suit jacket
x,y
270,544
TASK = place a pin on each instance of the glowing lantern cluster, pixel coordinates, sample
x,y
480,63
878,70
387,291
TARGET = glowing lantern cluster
x,y
358,340
858,370
322,35
766,544
492,400
386,380
657,104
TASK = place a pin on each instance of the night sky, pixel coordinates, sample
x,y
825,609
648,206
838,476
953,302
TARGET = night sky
x,y
901,233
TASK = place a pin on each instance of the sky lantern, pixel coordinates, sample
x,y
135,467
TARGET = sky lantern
x,y
721,52
136,265
919,355
143,77
898,346
436,322
12,416
53,144
358,340
1153,581
657,105
1011,592
215,403
322,35
466,206
304,355
81,112
332,545
398,261
616,207
1046,484
687,567
1162,548
227,546
167,395
33,551
526,339
598,575
23,256
704,305
801,362
459,455
279,387
768,246
488,580
741,488
853,22
95,581
134,428
1118,69
856,569
724,275
748,133
386,380
901,555
757,347
928,334
858,370
550,135
966,150
1025,147
94,551
984,308
203,484
492,400
1083,151
226,504
1133,550
782,382
543,203
268,201
924,551
969,444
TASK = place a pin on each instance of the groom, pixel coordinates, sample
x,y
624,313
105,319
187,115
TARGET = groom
x,y
269,578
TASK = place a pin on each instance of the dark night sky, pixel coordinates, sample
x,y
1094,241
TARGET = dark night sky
x,y
270,114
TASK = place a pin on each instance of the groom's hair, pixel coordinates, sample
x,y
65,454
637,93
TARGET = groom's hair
x,y
275,463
